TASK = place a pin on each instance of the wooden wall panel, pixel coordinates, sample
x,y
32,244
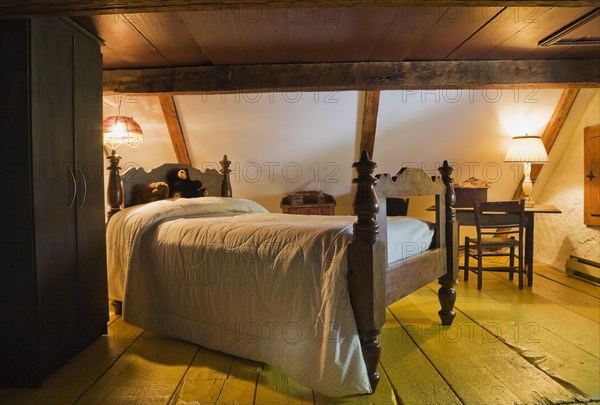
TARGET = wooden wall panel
x,y
591,174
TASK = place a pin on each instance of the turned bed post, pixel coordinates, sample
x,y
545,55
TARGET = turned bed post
x,y
446,293
225,183
114,192
366,268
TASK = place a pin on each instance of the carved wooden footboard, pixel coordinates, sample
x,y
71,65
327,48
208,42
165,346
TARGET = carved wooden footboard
x,y
372,283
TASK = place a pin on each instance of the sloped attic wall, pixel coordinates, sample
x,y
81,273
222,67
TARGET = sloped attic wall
x,y
558,236
286,142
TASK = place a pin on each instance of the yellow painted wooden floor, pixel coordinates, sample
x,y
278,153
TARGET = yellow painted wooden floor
x,y
536,346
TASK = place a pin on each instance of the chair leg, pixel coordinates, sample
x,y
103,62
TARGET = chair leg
x,y
467,252
511,263
521,270
479,270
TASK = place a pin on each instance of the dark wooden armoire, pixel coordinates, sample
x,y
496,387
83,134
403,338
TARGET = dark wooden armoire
x,y
53,289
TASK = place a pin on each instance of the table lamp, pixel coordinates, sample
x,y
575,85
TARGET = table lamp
x,y
527,150
118,130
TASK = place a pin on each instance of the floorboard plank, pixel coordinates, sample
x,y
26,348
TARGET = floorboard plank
x,y
579,302
384,395
532,336
576,329
72,380
240,387
204,379
479,367
274,387
568,296
148,372
412,376
543,270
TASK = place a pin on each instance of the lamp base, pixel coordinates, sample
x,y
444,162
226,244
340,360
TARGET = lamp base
x,y
529,203
527,185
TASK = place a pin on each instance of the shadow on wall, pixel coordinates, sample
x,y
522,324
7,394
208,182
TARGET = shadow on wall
x,y
566,248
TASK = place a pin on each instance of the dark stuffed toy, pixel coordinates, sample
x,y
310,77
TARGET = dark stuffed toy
x,y
153,192
180,184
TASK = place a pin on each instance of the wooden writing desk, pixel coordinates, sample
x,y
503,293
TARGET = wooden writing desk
x,y
465,217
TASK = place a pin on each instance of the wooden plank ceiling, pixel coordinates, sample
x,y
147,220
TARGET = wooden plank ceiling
x,y
330,35
192,46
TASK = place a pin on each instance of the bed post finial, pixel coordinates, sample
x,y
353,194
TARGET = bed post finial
x,y
114,194
226,183
365,203
366,268
446,293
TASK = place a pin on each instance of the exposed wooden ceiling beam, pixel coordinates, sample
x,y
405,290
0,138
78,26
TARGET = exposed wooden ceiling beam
x,y
355,76
38,8
369,124
172,118
561,111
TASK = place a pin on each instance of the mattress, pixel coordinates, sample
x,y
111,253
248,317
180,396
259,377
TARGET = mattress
x,y
407,236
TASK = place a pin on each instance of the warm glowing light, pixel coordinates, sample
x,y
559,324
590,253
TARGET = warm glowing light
x,y
527,150
519,120
119,130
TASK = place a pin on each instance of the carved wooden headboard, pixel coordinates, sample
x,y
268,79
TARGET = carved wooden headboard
x,y
134,180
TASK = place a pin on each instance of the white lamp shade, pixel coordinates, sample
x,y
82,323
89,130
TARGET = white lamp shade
x,y
119,130
526,149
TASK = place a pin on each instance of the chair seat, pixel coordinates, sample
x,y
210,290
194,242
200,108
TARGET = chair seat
x,y
495,242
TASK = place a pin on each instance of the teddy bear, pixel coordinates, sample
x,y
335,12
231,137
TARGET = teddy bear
x,y
180,184
153,192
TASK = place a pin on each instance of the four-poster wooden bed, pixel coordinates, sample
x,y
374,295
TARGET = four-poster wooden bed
x,y
373,280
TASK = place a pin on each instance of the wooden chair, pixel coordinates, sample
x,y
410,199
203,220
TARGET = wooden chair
x,y
397,206
499,225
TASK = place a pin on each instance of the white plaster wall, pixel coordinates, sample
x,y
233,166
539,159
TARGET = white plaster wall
x,y
558,236
470,128
279,143
285,142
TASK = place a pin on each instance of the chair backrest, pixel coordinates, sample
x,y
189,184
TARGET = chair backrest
x,y
397,206
499,218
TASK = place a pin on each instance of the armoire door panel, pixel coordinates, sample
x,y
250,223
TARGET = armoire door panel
x,y
89,159
54,191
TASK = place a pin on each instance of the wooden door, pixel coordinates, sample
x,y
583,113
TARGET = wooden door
x,y
89,158
54,188
591,189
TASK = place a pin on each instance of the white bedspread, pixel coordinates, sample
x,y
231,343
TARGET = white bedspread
x,y
281,298
224,273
